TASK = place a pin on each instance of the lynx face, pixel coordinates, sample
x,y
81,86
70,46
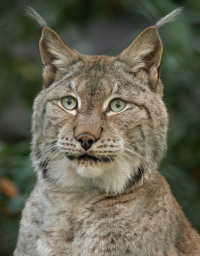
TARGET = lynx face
x,y
99,121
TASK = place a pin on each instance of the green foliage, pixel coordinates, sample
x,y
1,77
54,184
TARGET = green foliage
x,y
17,180
97,27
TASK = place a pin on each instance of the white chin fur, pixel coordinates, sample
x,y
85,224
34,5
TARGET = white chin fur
x,y
110,177
89,171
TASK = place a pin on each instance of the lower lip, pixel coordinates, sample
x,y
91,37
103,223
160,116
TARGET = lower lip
x,y
90,159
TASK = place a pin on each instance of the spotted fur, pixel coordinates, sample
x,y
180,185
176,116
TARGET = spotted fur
x,y
107,199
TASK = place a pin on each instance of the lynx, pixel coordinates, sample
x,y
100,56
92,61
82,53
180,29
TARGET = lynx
x,y
99,131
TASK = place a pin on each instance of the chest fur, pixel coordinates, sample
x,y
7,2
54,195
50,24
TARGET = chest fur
x,y
105,225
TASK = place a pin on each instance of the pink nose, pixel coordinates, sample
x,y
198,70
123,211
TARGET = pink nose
x,y
86,140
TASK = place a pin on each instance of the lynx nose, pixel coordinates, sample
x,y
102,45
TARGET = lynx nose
x,y
86,140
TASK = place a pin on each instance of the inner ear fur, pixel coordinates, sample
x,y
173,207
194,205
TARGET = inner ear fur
x,y
145,53
55,55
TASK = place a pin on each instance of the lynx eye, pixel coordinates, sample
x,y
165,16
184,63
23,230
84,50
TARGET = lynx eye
x,y
117,105
69,102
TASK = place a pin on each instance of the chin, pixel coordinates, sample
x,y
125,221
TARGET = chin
x,y
88,166
89,170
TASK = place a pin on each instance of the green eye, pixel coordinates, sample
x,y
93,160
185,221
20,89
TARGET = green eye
x,y
117,105
69,102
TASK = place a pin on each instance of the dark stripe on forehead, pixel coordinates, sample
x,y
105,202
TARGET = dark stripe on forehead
x,y
95,85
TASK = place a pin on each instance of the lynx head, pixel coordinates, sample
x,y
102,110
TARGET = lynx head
x,y
99,121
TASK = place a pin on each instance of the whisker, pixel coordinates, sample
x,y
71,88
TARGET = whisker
x,y
131,160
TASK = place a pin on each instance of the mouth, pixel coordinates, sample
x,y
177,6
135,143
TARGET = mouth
x,y
89,158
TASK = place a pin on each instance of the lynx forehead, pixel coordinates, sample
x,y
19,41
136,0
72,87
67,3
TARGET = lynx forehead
x,y
99,130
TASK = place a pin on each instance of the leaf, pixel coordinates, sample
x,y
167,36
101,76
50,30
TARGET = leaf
x,y
8,188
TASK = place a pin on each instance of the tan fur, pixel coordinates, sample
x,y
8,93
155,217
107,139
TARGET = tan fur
x,y
114,202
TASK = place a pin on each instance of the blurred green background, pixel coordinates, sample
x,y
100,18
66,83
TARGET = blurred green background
x,y
96,27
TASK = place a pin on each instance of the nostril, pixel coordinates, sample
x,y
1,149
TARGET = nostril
x,y
86,140
90,142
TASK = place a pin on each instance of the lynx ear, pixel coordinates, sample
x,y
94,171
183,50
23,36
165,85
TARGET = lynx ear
x,y
145,53
55,55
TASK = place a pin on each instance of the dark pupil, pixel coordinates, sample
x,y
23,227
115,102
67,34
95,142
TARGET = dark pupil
x,y
118,104
69,101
